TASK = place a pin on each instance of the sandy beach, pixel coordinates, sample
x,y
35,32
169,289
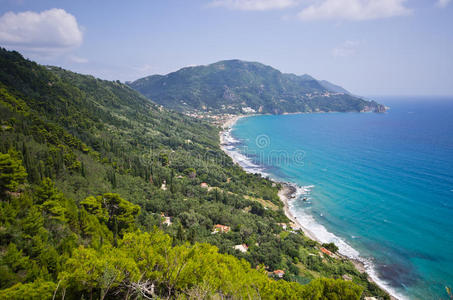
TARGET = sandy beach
x,y
226,126
229,122
287,193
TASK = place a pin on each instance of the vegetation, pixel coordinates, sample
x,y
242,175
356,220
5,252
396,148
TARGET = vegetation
x,y
235,86
331,247
87,169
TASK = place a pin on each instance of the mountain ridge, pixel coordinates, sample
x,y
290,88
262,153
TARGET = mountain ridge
x,y
236,86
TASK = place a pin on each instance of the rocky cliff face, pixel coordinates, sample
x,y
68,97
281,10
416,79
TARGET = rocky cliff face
x,y
374,107
380,108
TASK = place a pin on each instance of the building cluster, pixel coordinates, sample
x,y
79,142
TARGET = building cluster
x,y
218,228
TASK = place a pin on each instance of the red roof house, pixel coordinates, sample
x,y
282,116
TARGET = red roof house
x,y
221,228
279,273
325,251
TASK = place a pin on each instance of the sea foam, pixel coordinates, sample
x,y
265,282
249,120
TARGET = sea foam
x,y
231,146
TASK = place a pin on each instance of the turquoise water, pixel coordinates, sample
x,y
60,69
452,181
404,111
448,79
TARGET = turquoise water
x,y
382,183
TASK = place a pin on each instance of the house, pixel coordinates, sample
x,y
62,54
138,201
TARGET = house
x,y
347,277
164,186
325,251
221,228
279,273
248,110
283,225
204,185
243,248
166,220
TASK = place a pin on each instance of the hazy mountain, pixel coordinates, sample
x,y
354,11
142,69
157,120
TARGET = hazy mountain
x,y
333,87
235,86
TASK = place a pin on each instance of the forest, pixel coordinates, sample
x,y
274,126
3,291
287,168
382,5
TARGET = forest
x,y
107,195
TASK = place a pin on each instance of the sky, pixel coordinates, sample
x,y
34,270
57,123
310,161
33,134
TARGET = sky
x,y
370,47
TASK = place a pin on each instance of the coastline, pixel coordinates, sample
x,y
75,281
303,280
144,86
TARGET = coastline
x,y
287,193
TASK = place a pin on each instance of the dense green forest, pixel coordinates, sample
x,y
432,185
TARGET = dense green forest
x,y
235,86
101,197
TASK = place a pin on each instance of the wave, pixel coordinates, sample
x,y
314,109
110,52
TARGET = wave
x,y
231,145
321,234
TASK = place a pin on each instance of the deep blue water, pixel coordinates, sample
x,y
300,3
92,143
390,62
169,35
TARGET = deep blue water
x,y
383,183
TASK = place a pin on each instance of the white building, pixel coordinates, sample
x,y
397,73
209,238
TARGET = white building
x,y
243,248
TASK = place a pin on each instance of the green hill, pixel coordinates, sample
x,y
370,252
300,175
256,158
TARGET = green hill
x,y
235,86
333,88
101,196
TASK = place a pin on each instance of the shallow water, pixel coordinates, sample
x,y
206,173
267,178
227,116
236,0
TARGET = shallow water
x,y
383,184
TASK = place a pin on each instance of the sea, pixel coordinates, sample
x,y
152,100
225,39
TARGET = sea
x,y
379,185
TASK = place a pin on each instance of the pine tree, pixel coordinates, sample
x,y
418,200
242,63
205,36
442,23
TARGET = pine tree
x,y
83,170
12,172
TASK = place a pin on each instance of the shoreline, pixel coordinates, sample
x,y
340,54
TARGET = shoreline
x,y
288,192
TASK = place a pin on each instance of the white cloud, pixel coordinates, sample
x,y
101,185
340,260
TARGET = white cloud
x,y
259,5
442,3
355,10
52,30
348,48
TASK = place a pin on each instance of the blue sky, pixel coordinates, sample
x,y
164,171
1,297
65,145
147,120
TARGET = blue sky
x,y
371,47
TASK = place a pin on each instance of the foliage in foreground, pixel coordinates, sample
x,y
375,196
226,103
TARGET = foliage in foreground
x,y
55,247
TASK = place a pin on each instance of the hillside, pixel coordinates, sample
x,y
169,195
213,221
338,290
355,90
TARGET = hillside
x,y
235,86
101,196
333,87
